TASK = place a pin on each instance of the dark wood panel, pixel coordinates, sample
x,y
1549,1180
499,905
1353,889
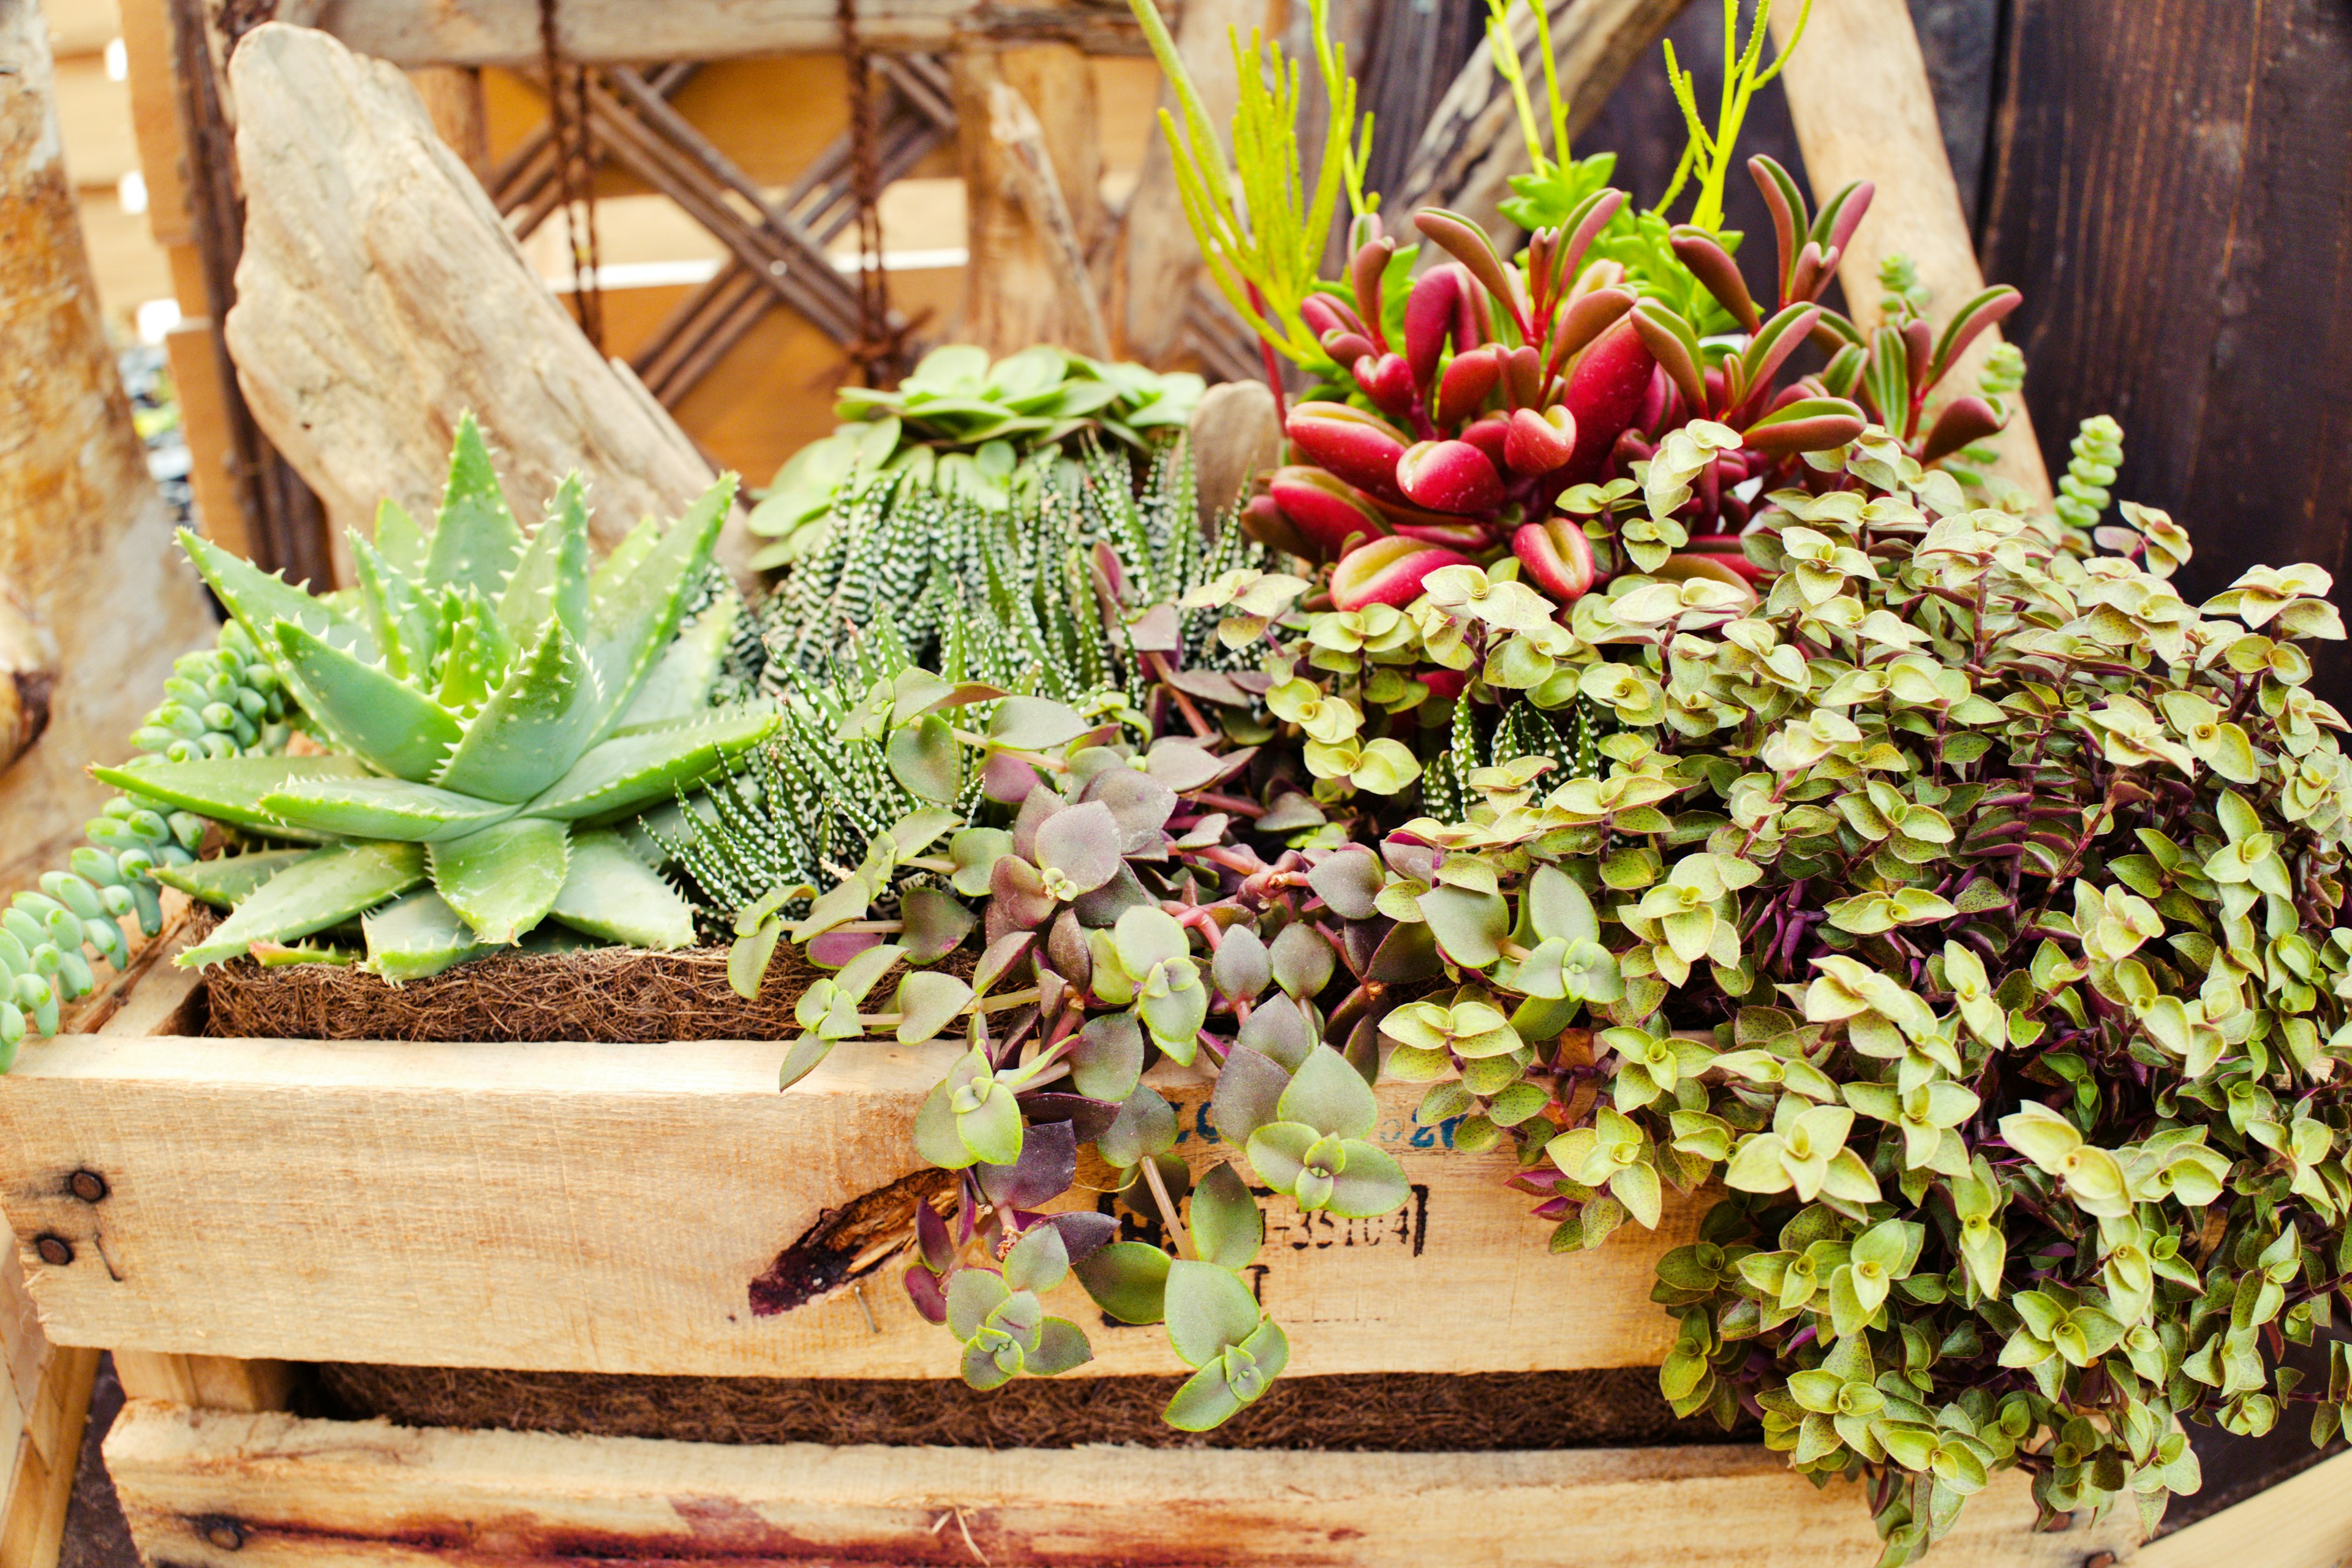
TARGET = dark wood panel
x,y
2172,189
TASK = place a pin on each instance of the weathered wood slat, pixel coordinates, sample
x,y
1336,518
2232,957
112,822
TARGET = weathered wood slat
x,y
262,1492
606,1208
506,32
2301,1522
1858,92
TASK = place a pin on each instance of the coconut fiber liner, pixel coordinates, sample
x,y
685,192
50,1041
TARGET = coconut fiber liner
x,y
619,994
1367,1411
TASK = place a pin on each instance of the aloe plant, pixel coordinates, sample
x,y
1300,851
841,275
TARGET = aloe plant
x,y
491,700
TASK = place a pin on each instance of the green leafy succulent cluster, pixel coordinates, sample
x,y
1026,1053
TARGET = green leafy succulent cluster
x,y
966,428
489,704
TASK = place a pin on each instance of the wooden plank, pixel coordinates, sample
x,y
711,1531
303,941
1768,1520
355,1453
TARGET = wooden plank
x,y
2301,1522
506,32
94,113
606,1208
1859,94
81,26
262,1492
41,1482
194,350
2172,188
206,1381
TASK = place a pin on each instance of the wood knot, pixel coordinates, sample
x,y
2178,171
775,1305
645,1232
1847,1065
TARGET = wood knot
x,y
227,1534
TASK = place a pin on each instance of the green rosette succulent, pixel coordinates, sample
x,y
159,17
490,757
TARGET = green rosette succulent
x,y
492,704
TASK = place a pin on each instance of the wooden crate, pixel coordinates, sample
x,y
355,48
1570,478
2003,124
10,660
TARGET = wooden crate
x,y
212,1209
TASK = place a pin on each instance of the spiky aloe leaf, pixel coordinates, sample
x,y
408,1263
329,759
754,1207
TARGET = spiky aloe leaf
x,y
259,600
630,772
228,788
226,881
623,560
325,887
610,893
534,729
398,614
383,808
503,879
679,687
479,652
476,540
552,579
632,627
417,936
400,540
364,707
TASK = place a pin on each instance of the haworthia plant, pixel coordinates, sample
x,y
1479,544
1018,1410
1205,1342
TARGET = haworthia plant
x,y
489,698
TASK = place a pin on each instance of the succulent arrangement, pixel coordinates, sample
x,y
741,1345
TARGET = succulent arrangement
x,y
1631,710
968,429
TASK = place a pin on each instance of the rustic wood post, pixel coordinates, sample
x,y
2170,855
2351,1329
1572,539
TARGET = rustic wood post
x,y
1032,156
84,534
1160,263
1859,94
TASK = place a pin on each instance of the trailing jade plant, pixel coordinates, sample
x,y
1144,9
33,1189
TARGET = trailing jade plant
x,y
486,706
967,429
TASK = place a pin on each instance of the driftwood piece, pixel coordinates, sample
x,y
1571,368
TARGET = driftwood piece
x,y
1859,94
1235,434
84,536
380,298
1473,144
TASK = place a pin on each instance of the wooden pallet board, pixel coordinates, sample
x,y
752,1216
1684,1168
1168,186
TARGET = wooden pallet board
x,y
606,1208
223,1490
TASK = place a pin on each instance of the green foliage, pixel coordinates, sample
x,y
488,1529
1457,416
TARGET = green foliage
x,y
487,698
1708,155
970,428
1262,230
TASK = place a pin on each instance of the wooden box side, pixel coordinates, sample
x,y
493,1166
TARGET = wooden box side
x,y
608,1208
256,1491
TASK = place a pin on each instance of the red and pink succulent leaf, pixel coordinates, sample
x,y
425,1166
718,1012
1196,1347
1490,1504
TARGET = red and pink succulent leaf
x,y
1345,347
1674,346
1774,341
1450,476
1583,225
1583,319
1535,444
1523,378
1444,684
1712,265
1682,567
1387,380
1467,385
1729,550
1557,557
1327,313
1264,520
1840,217
1808,425
1332,514
1919,340
1432,312
1964,420
1791,216
1604,394
1366,272
1491,435
1468,244
1387,571
1968,323
1360,448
